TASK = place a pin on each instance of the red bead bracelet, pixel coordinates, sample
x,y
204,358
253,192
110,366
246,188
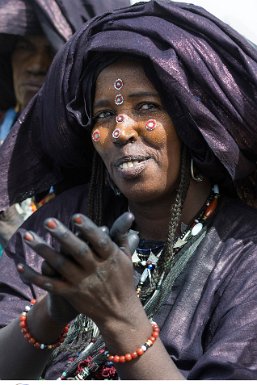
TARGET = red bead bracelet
x,y
139,351
31,339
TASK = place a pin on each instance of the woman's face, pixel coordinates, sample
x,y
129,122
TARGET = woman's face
x,y
134,135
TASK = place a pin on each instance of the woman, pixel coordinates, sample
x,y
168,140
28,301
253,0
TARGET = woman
x,y
180,249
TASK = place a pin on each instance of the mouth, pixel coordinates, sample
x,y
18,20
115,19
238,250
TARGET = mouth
x,y
131,166
32,86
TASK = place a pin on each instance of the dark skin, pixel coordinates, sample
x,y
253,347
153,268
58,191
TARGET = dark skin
x,y
95,272
31,59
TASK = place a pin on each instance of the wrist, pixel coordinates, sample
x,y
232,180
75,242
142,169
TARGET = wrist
x,y
125,333
41,325
137,352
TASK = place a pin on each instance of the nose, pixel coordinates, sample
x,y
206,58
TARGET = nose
x,y
39,63
125,130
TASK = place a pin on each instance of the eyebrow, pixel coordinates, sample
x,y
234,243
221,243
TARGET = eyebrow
x,y
143,93
106,102
101,103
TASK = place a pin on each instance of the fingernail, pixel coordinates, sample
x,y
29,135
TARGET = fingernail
x,y
105,229
28,237
77,219
20,268
51,224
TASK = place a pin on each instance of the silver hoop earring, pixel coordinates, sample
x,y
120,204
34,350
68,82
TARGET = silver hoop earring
x,y
197,178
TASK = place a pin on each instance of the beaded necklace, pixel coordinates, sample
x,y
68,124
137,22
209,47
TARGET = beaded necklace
x,y
92,362
148,257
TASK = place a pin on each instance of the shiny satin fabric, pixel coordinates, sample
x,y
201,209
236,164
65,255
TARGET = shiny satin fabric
x,y
205,72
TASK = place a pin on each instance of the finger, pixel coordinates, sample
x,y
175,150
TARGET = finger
x,y
46,269
67,268
99,241
104,229
120,232
121,225
133,240
71,244
55,286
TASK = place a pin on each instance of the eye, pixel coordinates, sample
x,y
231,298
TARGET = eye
x,y
103,115
24,45
148,106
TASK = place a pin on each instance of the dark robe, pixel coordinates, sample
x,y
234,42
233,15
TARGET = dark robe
x,y
208,322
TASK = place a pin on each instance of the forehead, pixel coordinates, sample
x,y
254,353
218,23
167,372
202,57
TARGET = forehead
x,y
131,73
37,40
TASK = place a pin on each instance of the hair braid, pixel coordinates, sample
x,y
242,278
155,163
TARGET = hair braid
x,y
176,208
166,259
96,187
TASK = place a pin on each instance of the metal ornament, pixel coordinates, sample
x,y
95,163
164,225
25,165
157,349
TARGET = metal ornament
x,y
150,124
118,84
119,99
197,178
116,133
96,135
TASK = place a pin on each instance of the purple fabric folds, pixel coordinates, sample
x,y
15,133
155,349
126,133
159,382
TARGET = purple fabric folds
x,y
206,73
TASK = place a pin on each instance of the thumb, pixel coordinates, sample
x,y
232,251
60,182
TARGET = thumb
x,y
121,234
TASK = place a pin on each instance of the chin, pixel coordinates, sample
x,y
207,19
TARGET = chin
x,y
141,194
28,95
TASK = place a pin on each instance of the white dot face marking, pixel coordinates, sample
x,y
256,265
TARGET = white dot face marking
x,y
116,133
118,84
120,119
150,124
96,135
119,99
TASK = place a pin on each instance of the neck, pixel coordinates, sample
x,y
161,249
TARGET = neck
x,y
152,219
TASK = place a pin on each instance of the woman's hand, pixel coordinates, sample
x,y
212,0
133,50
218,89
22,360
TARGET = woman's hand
x,y
95,273
58,308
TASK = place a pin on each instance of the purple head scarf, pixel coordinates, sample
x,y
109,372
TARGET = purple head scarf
x,y
205,72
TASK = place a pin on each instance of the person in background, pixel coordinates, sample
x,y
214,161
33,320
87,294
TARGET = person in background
x,y
148,271
30,35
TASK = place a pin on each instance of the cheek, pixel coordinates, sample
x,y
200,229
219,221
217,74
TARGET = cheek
x,y
157,137
159,130
96,136
101,140
15,71
19,62
154,133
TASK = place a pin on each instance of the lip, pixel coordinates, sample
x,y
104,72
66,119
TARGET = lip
x,y
33,86
130,167
130,158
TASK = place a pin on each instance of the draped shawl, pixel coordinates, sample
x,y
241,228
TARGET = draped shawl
x,y
206,74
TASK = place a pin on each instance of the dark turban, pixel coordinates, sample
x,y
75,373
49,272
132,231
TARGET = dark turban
x,y
206,74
